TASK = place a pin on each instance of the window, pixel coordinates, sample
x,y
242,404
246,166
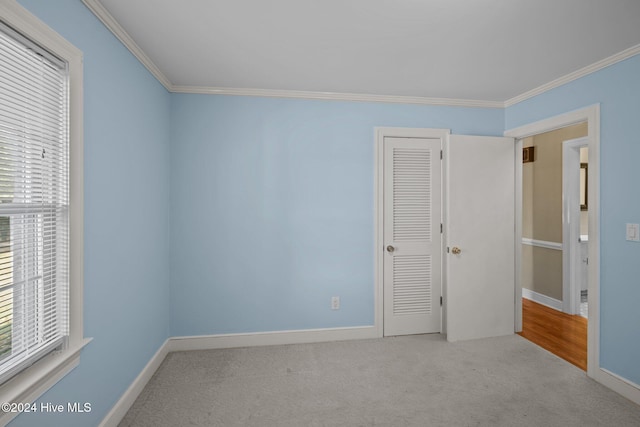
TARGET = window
x,y
34,203
41,218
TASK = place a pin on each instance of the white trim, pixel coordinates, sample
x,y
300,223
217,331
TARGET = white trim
x,y
110,22
571,262
542,299
38,378
257,339
211,342
41,377
378,230
591,115
551,123
620,385
585,71
119,410
336,96
625,388
589,69
378,208
518,233
542,243
96,7
593,196
26,23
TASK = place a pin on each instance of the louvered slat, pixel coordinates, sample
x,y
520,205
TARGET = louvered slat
x,y
411,194
412,284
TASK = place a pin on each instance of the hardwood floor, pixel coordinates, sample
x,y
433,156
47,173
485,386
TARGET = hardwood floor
x,y
562,334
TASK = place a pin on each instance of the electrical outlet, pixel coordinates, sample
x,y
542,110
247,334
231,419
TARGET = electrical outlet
x,y
633,232
335,303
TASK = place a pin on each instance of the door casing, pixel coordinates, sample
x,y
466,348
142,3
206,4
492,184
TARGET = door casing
x,y
379,243
591,115
380,134
571,259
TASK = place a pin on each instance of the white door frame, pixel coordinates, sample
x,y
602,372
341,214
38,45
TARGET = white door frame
x,y
591,115
378,187
571,258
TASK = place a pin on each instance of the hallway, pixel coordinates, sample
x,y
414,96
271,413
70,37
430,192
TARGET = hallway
x,y
562,334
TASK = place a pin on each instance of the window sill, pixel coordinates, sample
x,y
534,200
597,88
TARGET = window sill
x,y
35,380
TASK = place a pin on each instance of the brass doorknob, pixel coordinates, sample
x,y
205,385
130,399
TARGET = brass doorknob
x,y
390,249
456,250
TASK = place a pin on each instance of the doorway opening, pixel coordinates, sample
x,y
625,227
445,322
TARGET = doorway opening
x,y
543,238
551,229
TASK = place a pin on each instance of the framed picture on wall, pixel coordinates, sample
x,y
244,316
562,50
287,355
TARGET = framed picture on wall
x,y
528,154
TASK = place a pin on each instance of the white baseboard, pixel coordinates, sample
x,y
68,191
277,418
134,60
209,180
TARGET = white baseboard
x,y
121,407
542,299
209,342
622,386
616,383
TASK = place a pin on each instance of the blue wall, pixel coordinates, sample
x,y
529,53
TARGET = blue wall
x,y
126,289
617,89
272,208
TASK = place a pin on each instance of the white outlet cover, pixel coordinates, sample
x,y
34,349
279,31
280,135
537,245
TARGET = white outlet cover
x,y
633,232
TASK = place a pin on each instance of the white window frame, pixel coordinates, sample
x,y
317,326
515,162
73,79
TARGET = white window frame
x,y
42,375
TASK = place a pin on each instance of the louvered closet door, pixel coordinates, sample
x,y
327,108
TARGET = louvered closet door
x,y
412,239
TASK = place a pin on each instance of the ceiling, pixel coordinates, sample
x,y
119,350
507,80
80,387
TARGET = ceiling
x,y
489,50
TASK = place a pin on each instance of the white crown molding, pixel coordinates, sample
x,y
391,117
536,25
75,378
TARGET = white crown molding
x,y
589,69
110,22
337,96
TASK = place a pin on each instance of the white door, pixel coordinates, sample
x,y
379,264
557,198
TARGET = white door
x,y
411,235
480,237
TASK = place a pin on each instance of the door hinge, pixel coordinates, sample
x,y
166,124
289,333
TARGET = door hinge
x,y
440,154
440,301
440,228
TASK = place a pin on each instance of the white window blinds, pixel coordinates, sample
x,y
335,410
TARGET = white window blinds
x,y
34,208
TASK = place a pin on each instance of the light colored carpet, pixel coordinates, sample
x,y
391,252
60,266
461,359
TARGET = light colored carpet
x,y
404,381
